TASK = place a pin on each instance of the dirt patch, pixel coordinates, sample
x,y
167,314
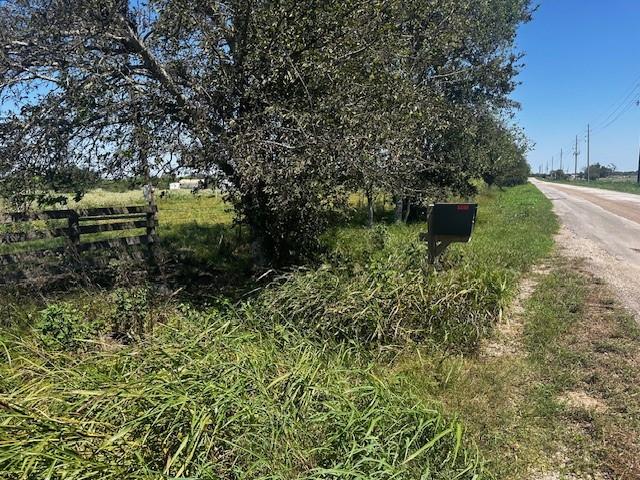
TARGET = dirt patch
x,y
583,401
562,459
507,339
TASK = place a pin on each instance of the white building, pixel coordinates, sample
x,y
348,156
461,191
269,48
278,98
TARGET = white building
x,y
190,183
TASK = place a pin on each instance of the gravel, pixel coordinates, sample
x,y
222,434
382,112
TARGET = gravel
x,y
603,228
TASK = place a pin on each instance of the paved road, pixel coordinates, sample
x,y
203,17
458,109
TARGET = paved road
x,y
604,227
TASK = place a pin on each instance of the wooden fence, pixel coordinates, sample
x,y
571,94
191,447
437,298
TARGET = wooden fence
x,y
59,242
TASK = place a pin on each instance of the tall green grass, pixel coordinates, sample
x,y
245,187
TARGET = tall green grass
x,y
207,398
284,385
385,304
376,287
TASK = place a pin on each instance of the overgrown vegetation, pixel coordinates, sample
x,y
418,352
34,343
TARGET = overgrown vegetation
x,y
292,383
206,398
554,394
285,106
389,295
63,326
284,109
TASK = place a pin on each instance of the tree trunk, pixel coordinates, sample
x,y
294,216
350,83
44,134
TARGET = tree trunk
x,y
370,207
407,209
258,254
397,214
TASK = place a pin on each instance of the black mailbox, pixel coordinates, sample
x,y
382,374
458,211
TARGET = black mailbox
x,y
449,223
453,221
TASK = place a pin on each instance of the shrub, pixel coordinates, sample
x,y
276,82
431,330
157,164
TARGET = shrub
x,y
62,327
379,235
130,318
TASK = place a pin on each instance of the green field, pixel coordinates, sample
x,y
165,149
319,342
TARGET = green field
x,y
297,379
196,226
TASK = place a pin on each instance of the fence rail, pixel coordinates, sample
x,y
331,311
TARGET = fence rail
x,y
54,239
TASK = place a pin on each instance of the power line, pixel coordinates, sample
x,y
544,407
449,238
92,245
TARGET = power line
x,y
622,103
617,105
616,111
628,107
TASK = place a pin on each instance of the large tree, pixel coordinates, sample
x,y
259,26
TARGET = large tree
x,y
287,104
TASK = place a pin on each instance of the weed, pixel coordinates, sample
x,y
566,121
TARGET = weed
x,y
63,326
130,318
385,303
379,236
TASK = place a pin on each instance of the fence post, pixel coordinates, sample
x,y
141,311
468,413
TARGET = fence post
x,y
152,237
151,223
74,231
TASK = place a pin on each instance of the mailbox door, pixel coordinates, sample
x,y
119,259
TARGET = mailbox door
x,y
454,219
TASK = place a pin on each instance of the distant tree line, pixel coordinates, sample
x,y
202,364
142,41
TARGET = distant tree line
x,y
595,172
289,104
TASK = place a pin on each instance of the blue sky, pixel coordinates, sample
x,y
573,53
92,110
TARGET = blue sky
x,y
582,60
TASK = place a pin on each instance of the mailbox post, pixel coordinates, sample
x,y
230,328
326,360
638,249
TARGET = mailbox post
x,y
449,223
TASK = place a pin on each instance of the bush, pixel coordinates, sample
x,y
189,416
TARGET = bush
x,y
63,327
387,302
379,235
514,174
130,318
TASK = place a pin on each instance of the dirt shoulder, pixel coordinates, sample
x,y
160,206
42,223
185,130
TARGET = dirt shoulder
x,y
602,230
621,205
622,279
555,393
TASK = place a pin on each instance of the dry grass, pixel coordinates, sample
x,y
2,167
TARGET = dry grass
x,y
567,404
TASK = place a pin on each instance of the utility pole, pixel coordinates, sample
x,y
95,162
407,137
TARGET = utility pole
x,y
575,155
638,104
560,159
588,147
552,169
638,165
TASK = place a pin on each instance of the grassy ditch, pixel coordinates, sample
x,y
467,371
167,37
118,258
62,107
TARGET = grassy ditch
x,y
561,398
287,384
